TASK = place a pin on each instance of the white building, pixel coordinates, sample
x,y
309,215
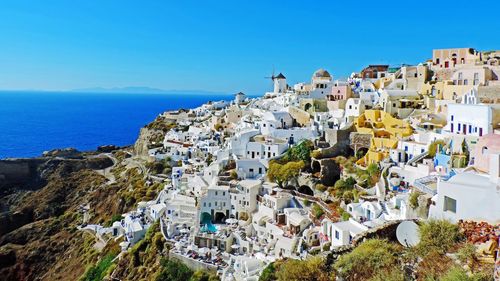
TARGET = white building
x,y
472,119
244,197
469,196
251,168
341,233
367,93
321,83
216,202
406,150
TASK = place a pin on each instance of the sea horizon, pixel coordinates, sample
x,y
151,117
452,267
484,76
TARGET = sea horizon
x,y
32,122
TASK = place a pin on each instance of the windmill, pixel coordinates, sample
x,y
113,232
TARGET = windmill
x,y
271,77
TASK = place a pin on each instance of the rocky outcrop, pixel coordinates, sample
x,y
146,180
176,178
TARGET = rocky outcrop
x,y
63,153
107,148
31,173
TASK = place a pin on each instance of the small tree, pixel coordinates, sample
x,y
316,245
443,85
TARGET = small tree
x,y
413,200
282,174
433,147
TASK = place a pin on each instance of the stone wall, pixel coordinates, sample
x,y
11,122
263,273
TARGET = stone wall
x,y
299,115
192,263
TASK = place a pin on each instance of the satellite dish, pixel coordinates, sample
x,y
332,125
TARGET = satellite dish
x,y
407,234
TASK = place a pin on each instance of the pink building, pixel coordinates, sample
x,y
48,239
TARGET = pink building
x,y
487,145
339,92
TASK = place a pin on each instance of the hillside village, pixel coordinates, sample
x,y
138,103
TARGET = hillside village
x,y
316,168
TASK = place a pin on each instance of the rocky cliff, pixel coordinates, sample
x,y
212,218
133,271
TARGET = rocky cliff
x,y
41,201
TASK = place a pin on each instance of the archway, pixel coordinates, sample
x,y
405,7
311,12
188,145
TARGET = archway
x,y
304,189
307,106
205,218
220,217
361,152
316,166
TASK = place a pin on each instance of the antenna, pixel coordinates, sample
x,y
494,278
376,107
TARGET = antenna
x,y
407,234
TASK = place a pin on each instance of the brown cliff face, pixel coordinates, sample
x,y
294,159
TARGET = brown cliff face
x,y
152,135
38,235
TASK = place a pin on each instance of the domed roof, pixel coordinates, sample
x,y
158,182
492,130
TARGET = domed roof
x,y
321,73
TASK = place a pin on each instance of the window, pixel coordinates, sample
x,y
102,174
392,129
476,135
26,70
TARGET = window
x,y
215,203
216,193
223,193
337,235
484,150
466,82
450,204
452,118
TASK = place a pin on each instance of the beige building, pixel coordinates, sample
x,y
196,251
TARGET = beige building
x,y
449,58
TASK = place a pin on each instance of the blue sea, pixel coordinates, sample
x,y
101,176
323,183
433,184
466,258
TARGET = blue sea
x,y
33,122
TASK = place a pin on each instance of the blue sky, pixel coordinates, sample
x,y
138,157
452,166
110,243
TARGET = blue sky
x,y
226,46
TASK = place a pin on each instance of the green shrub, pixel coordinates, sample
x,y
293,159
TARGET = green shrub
x,y
321,187
98,272
367,259
234,175
348,196
173,270
316,154
311,269
317,211
269,273
413,200
467,255
437,235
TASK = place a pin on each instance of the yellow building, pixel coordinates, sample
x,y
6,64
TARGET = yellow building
x,y
385,130
444,92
